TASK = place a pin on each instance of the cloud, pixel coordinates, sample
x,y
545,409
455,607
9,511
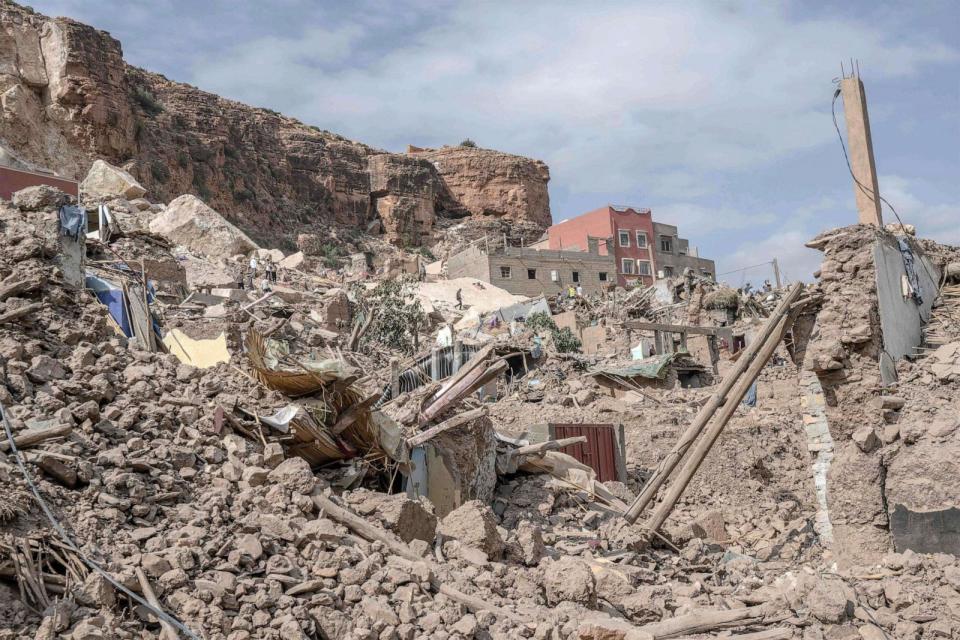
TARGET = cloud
x,y
751,261
645,97
934,218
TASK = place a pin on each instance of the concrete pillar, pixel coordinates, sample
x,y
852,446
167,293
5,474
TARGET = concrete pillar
x,y
861,151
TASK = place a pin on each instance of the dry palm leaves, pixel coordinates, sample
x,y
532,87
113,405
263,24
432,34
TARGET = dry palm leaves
x,y
275,368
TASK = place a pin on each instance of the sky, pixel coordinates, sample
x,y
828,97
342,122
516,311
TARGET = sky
x,y
715,114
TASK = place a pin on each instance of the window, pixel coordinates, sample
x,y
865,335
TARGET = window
x,y
505,272
641,239
643,267
666,244
626,265
668,272
531,274
707,274
624,238
603,276
576,276
554,276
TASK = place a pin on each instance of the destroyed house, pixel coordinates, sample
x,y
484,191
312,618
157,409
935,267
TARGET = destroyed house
x,y
531,272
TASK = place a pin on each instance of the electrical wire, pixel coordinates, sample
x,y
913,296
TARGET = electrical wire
x,y
753,266
162,615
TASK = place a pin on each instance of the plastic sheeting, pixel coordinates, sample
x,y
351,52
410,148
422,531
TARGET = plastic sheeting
x,y
654,368
111,296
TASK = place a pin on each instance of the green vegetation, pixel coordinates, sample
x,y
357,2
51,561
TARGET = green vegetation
x,y
330,254
159,171
397,314
564,340
147,101
468,143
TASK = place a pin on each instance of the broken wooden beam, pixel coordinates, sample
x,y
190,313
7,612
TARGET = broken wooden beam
x,y
549,445
446,425
705,621
672,459
716,426
19,312
32,437
475,378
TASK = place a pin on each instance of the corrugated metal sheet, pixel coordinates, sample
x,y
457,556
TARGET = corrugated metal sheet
x,y
599,452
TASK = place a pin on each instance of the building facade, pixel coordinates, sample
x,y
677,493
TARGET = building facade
x,y
630,231
531,272
672,254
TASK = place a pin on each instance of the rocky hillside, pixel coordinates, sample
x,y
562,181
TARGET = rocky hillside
x,y
67,98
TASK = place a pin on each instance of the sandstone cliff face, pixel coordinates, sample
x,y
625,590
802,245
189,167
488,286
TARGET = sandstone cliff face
x,y
492,183
68,98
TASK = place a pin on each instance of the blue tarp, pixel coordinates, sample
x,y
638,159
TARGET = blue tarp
x,y
112,297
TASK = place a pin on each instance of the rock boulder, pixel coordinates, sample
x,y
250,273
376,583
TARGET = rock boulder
x,y
189,222
105,181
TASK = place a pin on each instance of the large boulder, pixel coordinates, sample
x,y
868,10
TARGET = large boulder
x,y
39,197
189,222
105,181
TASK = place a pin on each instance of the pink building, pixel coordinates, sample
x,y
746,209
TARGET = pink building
x,y
631,231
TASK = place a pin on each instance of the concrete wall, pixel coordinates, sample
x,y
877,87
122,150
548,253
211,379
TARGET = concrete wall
x,y
469,263
901,319
673,258
588,266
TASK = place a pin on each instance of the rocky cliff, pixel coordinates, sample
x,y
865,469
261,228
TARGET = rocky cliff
x,y
67,98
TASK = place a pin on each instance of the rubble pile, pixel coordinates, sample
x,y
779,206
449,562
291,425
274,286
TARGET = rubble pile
x,y
283,461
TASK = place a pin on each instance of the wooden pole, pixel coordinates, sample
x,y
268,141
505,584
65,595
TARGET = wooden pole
x,y
710,436
446,425
776,273
672,459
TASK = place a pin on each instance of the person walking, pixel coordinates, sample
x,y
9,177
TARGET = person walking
x,y
459,298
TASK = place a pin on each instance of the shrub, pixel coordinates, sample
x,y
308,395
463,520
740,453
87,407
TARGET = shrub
x,y
147,101
330,254
468,143
564,341
397,314
540,322
159,171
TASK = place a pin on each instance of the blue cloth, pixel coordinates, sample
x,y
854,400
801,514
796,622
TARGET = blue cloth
x,y
751,398
111,296
911,270
73,221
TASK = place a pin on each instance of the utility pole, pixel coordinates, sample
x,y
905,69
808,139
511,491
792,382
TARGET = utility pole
x,y
862,165
776,273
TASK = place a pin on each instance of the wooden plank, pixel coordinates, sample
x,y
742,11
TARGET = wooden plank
x,y
446,425
675,328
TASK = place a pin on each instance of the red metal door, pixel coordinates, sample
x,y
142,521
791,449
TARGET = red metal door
x,y
599,452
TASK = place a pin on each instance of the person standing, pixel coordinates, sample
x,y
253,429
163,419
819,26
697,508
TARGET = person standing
x,y
459,298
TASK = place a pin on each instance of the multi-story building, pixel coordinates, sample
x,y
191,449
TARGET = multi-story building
x,y
672,254
530,272
630,230
644,250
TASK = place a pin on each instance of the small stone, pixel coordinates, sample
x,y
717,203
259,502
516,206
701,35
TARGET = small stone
x,y
474,524
272,454
466,626
294,474
569,579
249,545
866,439
254,476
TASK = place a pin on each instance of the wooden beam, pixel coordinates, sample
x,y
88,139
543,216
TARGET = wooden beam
x,y
672,459
446,425
675,328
